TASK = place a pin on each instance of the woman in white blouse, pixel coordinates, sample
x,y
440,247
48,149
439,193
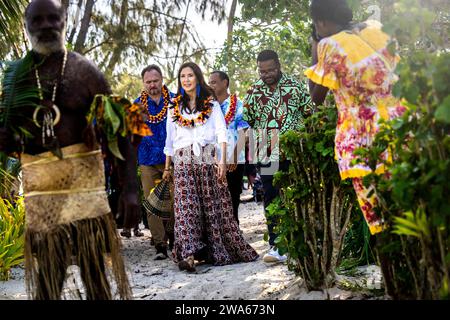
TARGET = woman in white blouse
x,y
205,228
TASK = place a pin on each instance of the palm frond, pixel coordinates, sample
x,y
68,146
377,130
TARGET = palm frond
x,y
11,14
17,93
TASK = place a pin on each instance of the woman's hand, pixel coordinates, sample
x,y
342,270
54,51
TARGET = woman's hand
x,y
167,175
314,56
222,171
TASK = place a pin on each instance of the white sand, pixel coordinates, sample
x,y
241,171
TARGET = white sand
x,y
152,279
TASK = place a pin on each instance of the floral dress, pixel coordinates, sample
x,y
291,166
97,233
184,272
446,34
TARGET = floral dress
x,y
358,68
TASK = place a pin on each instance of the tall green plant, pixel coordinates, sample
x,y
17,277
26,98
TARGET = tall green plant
x,y
316,205
358,245
12,227
9,179
414,196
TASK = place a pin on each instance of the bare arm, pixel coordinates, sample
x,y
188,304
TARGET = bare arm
x,y
318,93
222,173
167,170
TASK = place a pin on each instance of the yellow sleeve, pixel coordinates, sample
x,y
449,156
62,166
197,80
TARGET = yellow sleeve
x,y
323,73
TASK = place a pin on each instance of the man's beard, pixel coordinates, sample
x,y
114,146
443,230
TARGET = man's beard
x,y
154,92
47,47
272,80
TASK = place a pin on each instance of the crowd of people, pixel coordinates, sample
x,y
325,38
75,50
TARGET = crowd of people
x,y
203,141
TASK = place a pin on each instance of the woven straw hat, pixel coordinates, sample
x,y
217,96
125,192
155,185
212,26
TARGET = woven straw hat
x,y
160,202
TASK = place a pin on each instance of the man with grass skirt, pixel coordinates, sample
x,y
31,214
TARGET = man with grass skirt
x,y
68,220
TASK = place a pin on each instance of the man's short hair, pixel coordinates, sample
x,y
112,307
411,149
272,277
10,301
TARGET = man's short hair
x,y
150,68
222,76
63,9
266,55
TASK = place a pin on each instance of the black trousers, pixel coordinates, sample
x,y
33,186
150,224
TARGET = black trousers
x,y
270,193
234,180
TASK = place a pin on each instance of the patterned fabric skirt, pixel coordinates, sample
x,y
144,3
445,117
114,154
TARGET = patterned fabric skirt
x,y
368,204
204,211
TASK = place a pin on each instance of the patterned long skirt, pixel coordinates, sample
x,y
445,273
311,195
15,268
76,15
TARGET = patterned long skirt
x,y
204,212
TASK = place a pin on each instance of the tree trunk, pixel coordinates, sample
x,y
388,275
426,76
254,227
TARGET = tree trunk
x,y
181,35
120,43
79,44
75,22
230,43
65,4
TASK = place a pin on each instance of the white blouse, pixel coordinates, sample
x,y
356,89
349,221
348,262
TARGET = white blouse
x,y
213,131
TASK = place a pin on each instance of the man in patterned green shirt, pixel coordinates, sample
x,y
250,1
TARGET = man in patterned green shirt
x,y
274,104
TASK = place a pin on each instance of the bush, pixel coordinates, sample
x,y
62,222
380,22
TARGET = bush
x,y
316,205
414,197
12,226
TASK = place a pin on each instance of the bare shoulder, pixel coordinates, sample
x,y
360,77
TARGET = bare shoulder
x,y
86,73
81,61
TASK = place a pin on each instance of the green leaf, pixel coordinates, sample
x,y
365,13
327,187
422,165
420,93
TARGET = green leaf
x,y
113,146
443,111
111,118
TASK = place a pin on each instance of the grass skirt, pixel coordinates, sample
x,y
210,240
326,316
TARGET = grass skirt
x,y
68,222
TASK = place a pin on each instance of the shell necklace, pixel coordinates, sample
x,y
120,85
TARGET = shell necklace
x,y
48,135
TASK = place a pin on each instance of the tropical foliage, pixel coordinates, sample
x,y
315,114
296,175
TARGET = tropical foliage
x,y
283,26
129,34
316,206
415,250
15,93
11,15
12,226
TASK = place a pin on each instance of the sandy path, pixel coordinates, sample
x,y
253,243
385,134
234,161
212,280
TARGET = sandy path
x,y
152,279
162,279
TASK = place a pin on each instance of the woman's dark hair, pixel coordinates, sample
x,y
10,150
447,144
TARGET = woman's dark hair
x,y
205,90
314,34
336,11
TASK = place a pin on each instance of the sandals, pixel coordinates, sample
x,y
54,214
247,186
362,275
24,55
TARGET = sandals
x,y
187,264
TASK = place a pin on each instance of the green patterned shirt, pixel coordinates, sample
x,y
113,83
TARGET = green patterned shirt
x,y
282,108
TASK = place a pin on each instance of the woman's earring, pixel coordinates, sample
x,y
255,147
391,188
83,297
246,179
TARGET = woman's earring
x,y
182,92
198,90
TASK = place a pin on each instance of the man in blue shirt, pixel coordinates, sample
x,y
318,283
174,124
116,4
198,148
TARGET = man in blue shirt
x,y
151,158
232,109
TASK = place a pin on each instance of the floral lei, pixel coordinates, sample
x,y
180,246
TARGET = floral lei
x,y
229,116
163,113
198,121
